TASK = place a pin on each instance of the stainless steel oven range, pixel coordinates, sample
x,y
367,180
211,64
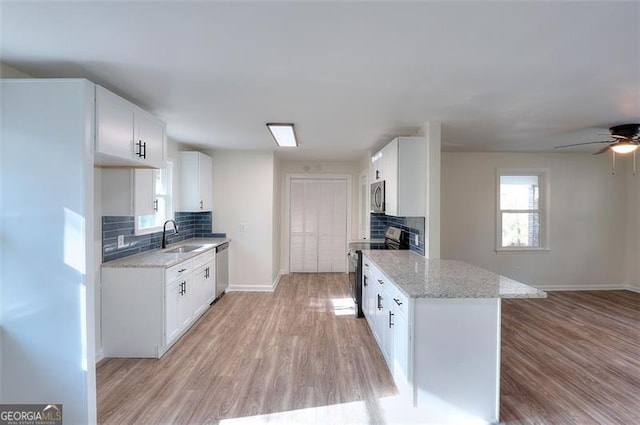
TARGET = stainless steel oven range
x,y
395,238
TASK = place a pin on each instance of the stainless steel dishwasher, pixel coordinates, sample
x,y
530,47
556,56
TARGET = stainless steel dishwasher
x,y
222,268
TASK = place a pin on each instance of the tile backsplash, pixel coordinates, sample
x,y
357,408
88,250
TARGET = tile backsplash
x,y
413,225
190,225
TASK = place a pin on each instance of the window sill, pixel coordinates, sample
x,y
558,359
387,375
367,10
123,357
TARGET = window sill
x,y
512,250
147,230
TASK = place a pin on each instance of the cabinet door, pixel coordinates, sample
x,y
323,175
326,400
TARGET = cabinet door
x,y
210,284
388,337
114,125
185,303
195,182
205,176
379,317
365,294
390,159
171,322
144,201
376,167
401,341
150,138
200,278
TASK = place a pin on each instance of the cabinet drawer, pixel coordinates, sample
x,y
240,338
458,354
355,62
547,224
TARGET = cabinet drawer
x,y
203,259
398,299
177,271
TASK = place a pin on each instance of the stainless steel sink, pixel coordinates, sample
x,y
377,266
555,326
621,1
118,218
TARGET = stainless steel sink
x,y
182,249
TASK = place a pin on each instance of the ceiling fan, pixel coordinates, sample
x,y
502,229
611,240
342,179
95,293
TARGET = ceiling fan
x,y
626,139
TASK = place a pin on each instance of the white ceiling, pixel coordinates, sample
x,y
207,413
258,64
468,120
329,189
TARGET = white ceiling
x,y
500,76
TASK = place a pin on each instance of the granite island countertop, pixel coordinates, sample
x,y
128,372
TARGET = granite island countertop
x,y
162,259
420,277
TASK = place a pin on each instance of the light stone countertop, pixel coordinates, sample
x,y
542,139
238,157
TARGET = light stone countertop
x,y
162,259
420,277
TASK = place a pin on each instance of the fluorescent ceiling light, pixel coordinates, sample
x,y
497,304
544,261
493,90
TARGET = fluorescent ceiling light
x,y
283,134
624,147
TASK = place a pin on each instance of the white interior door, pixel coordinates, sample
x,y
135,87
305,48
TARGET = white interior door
x,y
318,225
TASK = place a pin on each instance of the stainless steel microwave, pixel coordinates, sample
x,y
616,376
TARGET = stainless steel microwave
x,y
377,197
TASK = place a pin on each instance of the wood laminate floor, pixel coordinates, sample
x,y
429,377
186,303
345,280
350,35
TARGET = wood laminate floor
x,y
297,356
573,358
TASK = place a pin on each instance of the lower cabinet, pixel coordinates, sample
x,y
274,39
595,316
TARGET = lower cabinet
x,y
443,353
146,310
386,310
173,294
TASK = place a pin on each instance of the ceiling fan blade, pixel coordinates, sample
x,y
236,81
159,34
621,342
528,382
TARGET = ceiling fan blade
x,y
603,150
585,143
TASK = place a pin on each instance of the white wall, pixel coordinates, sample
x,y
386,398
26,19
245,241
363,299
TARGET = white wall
x,y
277,218
588,218
243,193
633,230
318,167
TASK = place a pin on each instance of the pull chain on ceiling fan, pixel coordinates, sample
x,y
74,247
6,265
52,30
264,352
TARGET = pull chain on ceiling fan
x,y
626,139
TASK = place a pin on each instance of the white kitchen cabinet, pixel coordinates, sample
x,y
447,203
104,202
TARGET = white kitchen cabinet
x,y
165,303
210,282
440,349
187,303
386,312
196,174
172,327
129,192
126,135
400,347
402,166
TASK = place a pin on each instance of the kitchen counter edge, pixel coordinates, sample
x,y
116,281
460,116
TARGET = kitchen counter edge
x,y
419,277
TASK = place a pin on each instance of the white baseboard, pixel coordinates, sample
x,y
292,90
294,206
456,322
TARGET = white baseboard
x,y
551,288
255,288
99,355
277,281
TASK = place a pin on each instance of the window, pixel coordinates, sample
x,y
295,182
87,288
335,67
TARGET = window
x,y
522,210
163,186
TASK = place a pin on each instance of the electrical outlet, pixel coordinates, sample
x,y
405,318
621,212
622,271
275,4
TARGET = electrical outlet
x,y
417,239
120,241
243,227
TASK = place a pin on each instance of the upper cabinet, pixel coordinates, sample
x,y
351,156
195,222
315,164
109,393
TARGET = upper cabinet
x,y
402,166
196,174
129,192
126,135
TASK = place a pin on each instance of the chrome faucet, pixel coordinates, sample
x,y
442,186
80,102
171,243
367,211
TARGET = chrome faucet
x,y
164,232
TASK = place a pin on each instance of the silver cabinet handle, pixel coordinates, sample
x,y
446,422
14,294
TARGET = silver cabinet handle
x,y
201,204
182,270
390,319
380,281
397,300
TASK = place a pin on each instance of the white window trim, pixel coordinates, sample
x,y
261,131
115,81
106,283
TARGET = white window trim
x,y
544,202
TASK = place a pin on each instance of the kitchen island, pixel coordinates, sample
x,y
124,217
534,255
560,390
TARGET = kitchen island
x,y
437,323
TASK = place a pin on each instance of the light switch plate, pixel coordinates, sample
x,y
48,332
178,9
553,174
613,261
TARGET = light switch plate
x,y
243,227
120,241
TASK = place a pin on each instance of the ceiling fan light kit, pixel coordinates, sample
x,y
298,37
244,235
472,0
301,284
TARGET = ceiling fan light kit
x,y
626,139
624,147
